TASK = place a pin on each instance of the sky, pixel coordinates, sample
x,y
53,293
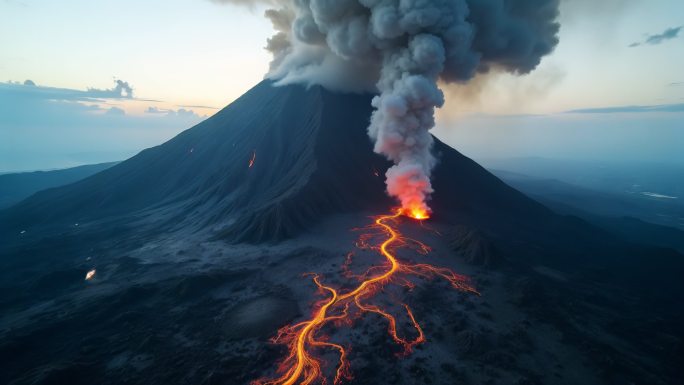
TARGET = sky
x,y
613,89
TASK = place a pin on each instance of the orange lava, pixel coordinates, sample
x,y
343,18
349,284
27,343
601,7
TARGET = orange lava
x,y
251,161
302,366
418,213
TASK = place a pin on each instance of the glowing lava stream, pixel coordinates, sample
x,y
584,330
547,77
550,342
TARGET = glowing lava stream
x,y
301,366
252,159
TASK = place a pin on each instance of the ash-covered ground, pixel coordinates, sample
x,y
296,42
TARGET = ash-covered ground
x,y
177,309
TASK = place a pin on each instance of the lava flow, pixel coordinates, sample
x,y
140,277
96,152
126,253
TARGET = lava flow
x,y
302,366
252,159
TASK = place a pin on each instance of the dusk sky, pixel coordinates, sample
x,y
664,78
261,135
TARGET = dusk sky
x,y
613,89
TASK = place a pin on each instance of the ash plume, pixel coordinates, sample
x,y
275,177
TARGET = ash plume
x,y
402,49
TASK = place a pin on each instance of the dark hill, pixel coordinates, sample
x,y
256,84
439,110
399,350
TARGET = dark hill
x,y
15,187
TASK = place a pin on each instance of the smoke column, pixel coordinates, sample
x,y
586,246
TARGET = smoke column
x,y
403,117
403,49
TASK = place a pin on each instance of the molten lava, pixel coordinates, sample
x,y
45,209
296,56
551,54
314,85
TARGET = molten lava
x,y
252,159
418,213
304,340
90,275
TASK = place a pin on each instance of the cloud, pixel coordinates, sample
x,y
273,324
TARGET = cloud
x,y
29,90
630,109
46,127
197,106
122,90
116,111
668,34
182,112
155,110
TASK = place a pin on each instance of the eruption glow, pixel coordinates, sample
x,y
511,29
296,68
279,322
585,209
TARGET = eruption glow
x,y
304,340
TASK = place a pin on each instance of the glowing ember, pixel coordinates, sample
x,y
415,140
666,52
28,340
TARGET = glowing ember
x,y
251,161
90,275
302,366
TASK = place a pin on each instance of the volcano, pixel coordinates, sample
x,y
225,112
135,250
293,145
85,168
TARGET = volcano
x,y
312,158
227,214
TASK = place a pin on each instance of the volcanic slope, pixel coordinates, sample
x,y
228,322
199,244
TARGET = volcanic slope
x,y
312,157
280,159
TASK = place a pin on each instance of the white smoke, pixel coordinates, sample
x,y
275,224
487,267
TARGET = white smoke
x,y
401,49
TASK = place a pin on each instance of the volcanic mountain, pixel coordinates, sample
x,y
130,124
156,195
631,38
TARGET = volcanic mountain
x,y
310,157
268,173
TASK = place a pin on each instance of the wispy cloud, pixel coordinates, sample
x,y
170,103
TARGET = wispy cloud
x,y
194,106
630,109
29,90
668,34
171,112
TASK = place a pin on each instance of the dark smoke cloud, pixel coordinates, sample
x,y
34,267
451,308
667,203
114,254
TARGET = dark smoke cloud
x,y
402,49
326,41
668,34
